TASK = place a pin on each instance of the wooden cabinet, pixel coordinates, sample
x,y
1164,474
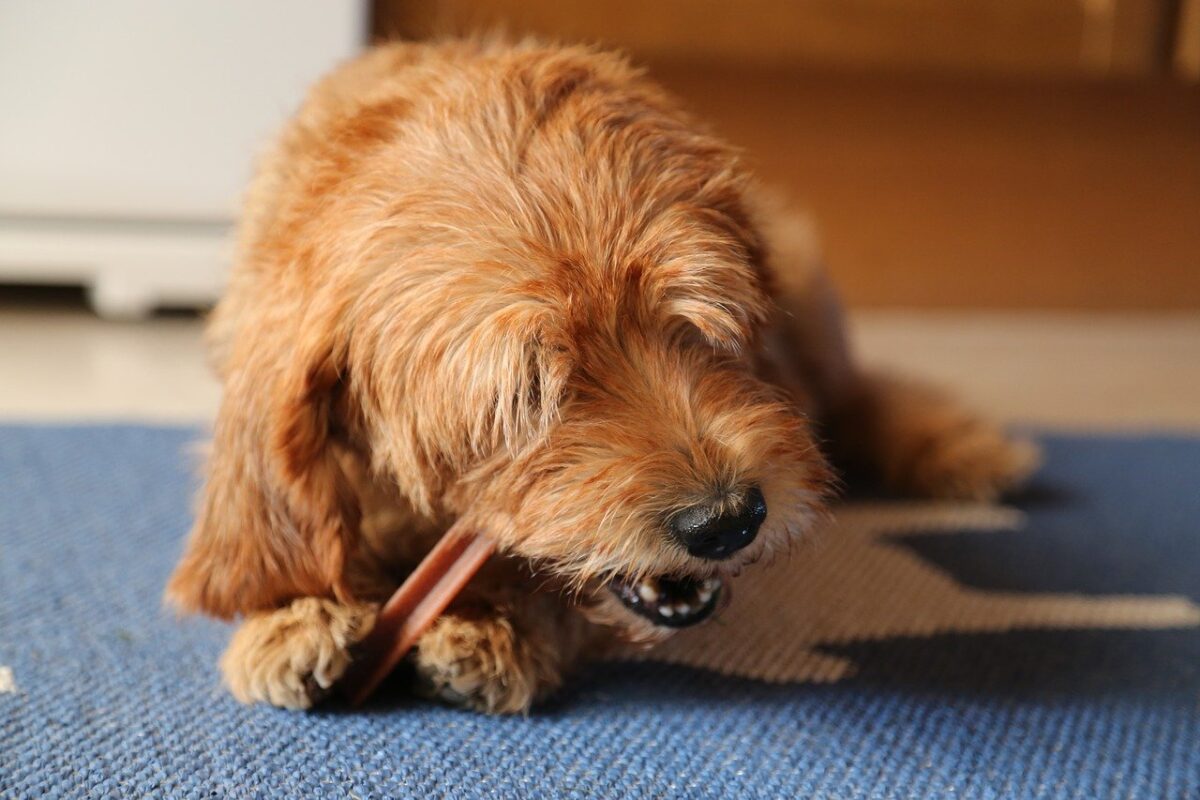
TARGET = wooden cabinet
x,y
1049,37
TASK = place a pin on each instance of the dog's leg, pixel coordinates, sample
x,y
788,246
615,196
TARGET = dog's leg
x,y
500,655
291,657
921,441
917,439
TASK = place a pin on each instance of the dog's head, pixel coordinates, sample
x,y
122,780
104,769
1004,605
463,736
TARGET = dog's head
x,y
570,356
663,467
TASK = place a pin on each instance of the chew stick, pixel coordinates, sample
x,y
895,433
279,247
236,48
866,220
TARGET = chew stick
x,y
431,587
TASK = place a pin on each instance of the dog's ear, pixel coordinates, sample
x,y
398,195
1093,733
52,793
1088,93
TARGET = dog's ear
x,y
276,515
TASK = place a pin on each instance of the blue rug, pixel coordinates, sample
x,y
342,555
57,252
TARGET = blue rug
x,y
104,694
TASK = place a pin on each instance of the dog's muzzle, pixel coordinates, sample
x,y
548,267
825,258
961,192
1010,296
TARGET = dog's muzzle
x,y
711,532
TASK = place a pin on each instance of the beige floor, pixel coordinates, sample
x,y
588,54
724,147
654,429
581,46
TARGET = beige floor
x,y
1078,372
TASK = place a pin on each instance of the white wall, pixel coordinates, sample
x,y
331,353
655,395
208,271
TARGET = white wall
x,y
146,114
152,108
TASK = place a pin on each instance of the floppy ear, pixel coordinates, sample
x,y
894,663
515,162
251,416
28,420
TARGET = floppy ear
x,y
277,515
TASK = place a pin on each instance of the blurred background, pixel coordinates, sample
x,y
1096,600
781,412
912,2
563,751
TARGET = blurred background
x,y
1008,191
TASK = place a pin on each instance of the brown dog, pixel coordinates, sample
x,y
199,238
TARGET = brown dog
x,y
517,285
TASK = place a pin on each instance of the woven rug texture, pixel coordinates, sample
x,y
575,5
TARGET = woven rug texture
x,y
1046,648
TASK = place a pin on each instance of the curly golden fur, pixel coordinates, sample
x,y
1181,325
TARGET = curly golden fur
x,y
516,284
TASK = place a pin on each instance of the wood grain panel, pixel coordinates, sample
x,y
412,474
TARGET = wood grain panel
x,y
941,193
1043,36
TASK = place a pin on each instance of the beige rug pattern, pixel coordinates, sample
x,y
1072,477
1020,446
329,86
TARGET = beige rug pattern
x,y
853,583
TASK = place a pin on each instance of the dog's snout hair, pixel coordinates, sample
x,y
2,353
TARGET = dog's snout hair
x,y
641,438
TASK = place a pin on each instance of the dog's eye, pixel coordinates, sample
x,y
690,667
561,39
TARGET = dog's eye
x,y
685,334
545,377
533,388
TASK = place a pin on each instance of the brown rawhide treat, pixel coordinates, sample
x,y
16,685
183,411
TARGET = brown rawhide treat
x,y
415,606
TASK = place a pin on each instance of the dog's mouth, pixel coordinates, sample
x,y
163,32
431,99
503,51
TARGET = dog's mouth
x,y
669,602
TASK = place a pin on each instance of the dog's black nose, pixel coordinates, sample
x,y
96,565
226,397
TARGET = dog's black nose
x,y
709,533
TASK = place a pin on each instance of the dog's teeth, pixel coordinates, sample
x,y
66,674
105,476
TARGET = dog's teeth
x,y
712,584
704,596
647,592
666,611
683,608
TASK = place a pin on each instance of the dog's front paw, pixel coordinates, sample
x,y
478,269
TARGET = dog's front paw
x,y
292,657
479,663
